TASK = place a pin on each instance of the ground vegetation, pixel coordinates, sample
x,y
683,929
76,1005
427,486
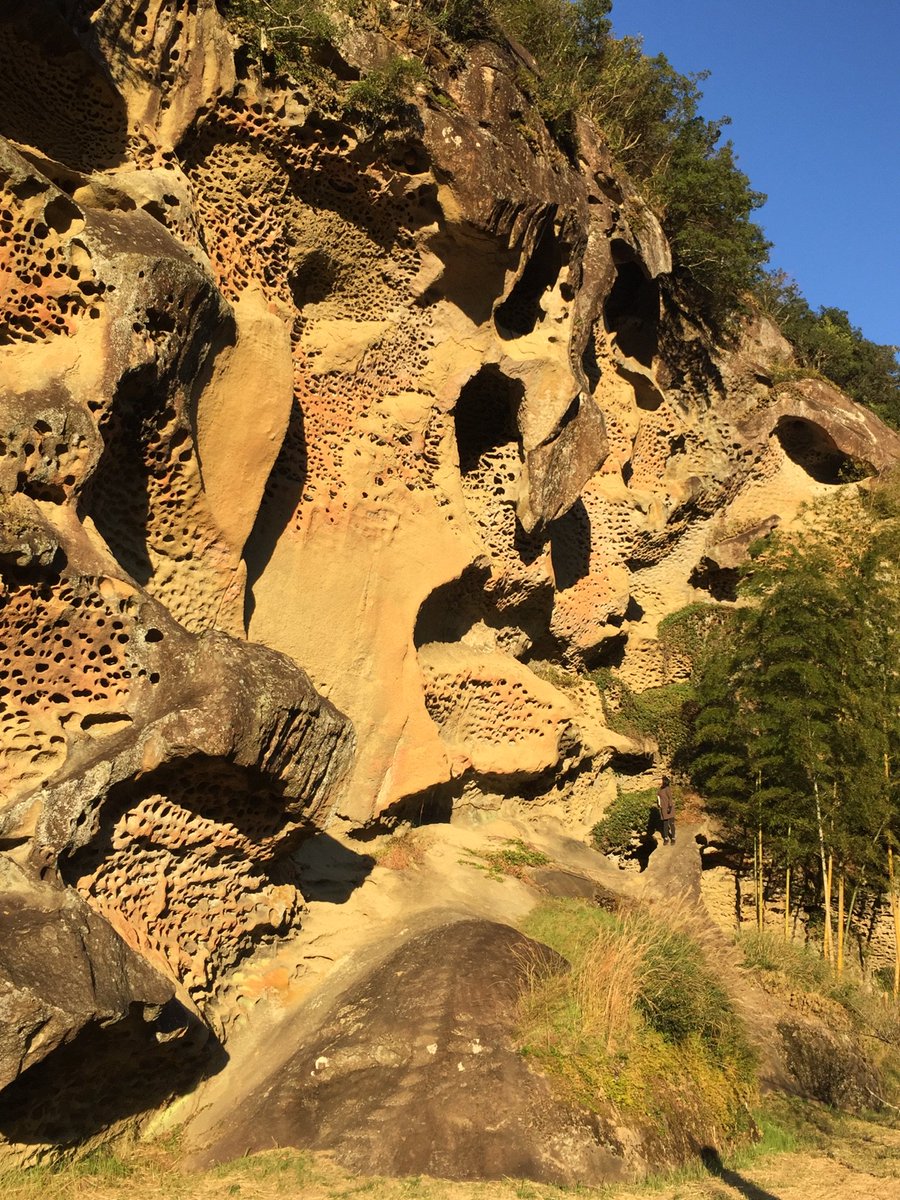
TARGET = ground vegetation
x,y
639,1023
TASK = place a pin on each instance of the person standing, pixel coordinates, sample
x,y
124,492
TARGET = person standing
x,y
665,798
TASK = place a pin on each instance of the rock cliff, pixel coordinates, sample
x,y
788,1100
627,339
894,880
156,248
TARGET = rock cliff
x,y
318,437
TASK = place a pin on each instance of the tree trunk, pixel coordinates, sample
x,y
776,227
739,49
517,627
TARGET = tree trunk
x,y
756,881
840,924
787,890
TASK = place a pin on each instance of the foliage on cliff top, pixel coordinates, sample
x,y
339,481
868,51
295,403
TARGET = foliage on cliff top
x,y
648,111
289,30
826,341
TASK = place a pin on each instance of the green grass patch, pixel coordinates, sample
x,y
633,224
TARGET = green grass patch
x,y
294,1166
764,951
567,926
639,1024
102,1163
513,858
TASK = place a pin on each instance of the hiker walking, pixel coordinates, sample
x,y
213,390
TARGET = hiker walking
x,y
666,801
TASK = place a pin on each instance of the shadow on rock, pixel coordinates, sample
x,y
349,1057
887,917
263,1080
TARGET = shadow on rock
x,y
106,1075
328,870
647,840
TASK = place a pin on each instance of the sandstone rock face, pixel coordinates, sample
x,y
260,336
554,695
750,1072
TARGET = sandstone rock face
x,y
156,769
409,410
441,364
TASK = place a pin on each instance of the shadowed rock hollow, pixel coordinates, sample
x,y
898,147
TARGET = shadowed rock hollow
x,y
314,443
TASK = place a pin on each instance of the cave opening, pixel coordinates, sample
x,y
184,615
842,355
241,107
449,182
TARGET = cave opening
x,y
631,311
570,546
521,311
313,277
450,611
486,415
812,448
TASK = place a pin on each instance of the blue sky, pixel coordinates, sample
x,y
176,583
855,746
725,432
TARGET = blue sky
x,y
813,90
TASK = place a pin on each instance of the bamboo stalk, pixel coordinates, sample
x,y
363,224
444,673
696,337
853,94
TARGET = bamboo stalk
x,y
756,880
826,943
895,910
787,891
829,927
848,923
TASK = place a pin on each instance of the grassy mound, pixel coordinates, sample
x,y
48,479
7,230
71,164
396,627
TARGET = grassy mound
x,y
639,1030
844,1046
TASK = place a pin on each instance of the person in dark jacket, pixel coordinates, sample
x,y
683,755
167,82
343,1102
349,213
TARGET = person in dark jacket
x,y
665,798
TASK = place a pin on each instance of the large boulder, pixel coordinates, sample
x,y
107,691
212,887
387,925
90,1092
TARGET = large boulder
x,y
62,967
418,1069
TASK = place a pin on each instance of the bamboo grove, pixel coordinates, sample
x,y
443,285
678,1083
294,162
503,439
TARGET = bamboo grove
x,y
793,732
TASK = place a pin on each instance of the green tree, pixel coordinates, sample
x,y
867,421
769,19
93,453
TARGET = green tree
x,y
795,737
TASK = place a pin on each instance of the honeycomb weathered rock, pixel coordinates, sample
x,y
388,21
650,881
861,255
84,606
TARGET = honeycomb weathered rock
x,y
407,410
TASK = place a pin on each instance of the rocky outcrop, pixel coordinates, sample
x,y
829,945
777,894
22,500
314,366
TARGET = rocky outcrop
x,y
61,969
417,1071
401,402
156,769
476,416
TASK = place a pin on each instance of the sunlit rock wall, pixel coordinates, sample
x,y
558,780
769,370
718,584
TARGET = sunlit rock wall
x,y
410,410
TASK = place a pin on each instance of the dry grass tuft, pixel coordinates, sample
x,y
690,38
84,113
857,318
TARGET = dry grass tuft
x,y
609,981
639,1024
403,852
